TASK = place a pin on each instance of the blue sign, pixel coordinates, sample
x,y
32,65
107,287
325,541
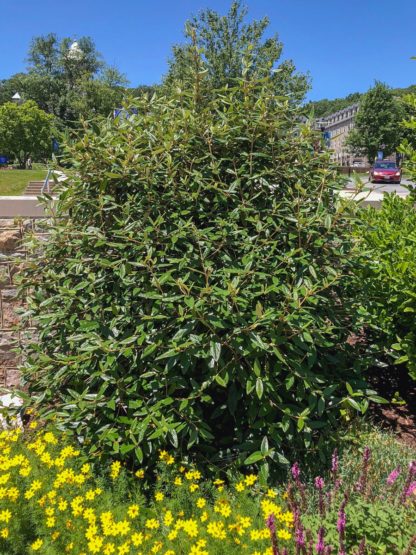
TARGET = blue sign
x,y
4,160
124,114
380,155
327,138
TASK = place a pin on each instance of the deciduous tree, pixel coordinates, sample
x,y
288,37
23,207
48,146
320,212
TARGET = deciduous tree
x,y
223,42
25,131
378,123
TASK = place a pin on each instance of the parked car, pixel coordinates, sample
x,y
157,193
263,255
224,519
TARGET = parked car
x,y
383,171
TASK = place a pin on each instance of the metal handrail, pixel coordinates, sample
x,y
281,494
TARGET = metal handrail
x,y
45,187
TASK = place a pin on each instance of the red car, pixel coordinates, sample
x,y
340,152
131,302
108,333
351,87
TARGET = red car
x,y
385,171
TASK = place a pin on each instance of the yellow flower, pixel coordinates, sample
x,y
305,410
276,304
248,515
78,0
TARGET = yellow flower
x,y
220,484
250,480
109,549
33,425
163,455
157,547
168,519
240,486
216,530
85,468
122,528
36,545
50,522
90,495
271,493
284,534
50,438
5,516
124,548
25,471
159,496
140,474
223,508
62,505
133,511
152,523
201,502
178,481
115,469
95,545
4,533
137,539
204,516
193,487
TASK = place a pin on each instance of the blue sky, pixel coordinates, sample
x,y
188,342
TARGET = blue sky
x,y
344,44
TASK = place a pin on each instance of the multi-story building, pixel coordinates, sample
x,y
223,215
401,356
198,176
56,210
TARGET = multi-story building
x,y
337,126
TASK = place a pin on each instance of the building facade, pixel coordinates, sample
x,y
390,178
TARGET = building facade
x,y
338,125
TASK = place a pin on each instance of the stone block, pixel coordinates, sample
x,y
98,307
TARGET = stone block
x,y
9,240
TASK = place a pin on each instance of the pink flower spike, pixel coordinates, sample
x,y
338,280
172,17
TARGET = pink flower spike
x,y
411,489
295,471
393,476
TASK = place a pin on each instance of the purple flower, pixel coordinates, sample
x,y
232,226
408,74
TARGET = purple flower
x,y
411,489
361,485
393,476
342,520
409,482
361,547
319,483
320,546
335,462
295,471
300,538
271,523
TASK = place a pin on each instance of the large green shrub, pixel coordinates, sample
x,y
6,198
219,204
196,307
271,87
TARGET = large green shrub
x,y
194,292
389,278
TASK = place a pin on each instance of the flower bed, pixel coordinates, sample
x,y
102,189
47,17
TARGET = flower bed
x,y
51,503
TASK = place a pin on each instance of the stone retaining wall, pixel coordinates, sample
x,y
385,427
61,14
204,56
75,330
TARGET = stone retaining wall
x,y
12,255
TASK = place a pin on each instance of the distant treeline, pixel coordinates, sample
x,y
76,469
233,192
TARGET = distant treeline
x,y
324,107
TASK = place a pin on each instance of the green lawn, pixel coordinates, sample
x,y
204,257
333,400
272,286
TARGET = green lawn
x,y
14,182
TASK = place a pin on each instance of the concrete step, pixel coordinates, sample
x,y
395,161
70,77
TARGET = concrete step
x,y
35,187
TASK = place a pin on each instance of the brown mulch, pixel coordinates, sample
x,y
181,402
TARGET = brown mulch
x,y
398,416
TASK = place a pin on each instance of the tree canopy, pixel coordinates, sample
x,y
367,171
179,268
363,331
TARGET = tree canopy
x,y
223,42
25,130
377,123
67,81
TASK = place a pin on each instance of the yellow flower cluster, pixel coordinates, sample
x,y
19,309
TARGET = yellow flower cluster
x,y
74,516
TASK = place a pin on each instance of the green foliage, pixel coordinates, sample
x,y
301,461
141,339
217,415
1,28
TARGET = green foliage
x,y
389,278
223,41
68,85
385,526
195,292
25,130
52,57
377,123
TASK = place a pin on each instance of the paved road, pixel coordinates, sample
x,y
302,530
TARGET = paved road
x,y
381,187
